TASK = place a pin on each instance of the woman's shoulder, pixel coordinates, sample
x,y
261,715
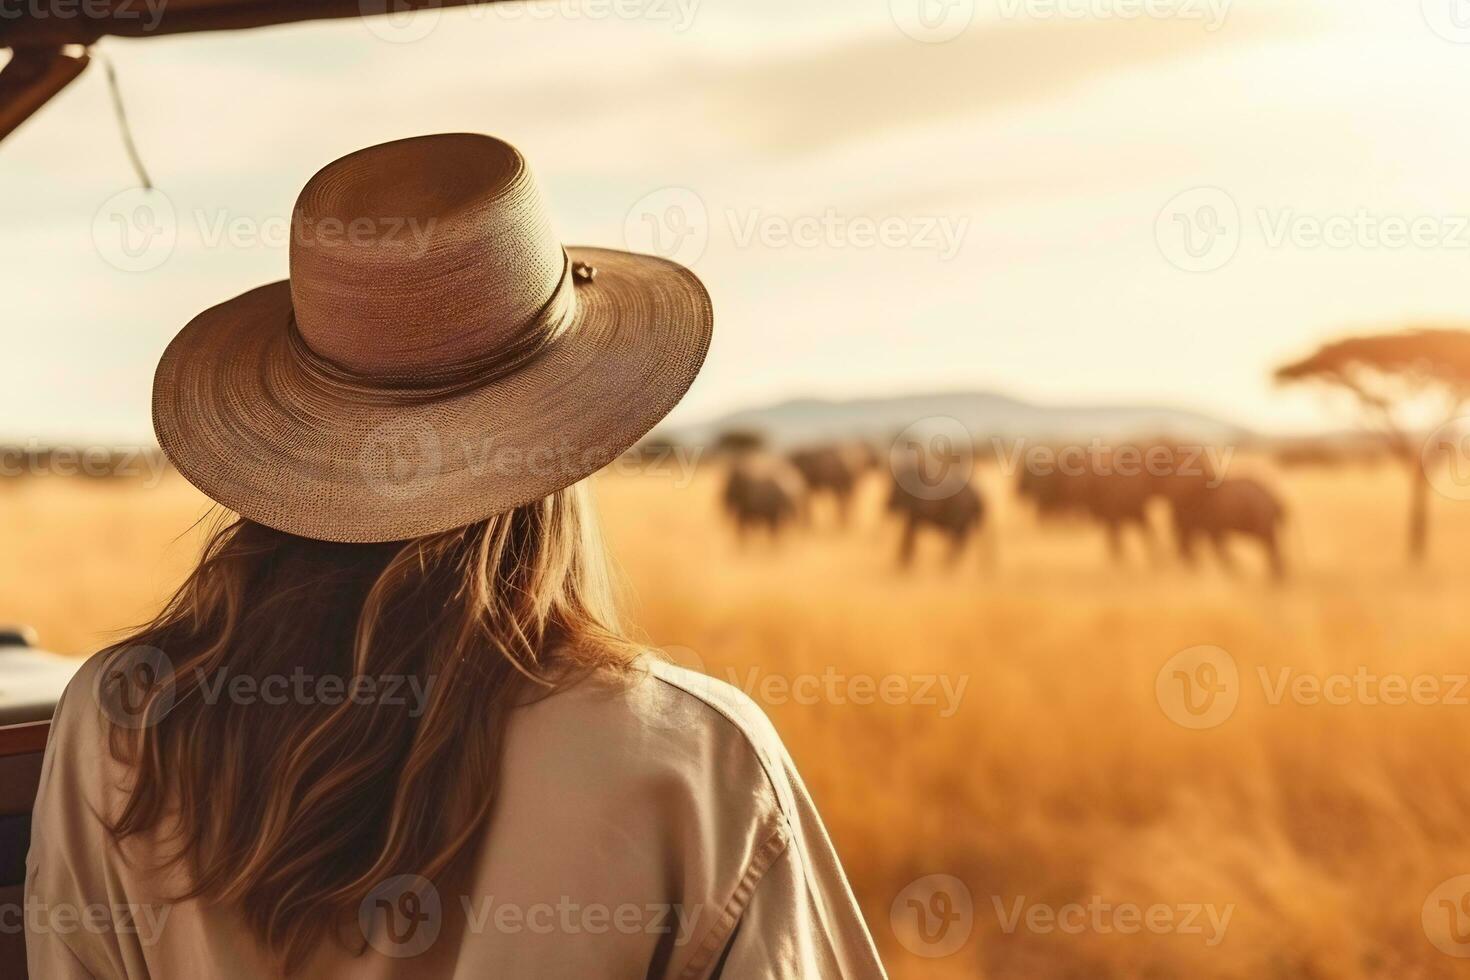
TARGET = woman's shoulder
x,y
651,694
79,776
79,712
113,687
660,723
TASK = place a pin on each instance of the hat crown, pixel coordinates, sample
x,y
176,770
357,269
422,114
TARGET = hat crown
x,y
416,256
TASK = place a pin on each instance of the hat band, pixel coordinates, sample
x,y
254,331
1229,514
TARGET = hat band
x,y
553,321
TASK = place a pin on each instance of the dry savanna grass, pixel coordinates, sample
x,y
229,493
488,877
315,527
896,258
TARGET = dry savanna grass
x,y
1003,722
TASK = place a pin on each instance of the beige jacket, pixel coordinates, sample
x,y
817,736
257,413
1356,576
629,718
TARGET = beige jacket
x,y
647,829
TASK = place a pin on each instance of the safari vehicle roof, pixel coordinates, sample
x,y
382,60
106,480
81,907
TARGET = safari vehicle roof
x,y
48,38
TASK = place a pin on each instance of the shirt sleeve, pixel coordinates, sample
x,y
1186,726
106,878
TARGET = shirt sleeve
x,y
801,922
48,957
64,886
792,915
783,936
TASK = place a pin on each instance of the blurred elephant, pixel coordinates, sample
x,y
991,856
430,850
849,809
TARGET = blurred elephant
x,y
1114,500
834,470
1219,509
957,514
764,491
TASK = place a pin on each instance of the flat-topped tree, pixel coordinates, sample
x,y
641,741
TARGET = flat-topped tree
x,y
1393,375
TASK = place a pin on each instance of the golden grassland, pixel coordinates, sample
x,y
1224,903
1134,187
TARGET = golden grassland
x,y
1322,828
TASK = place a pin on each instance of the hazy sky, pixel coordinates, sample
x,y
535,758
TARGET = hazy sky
x,y
1033,176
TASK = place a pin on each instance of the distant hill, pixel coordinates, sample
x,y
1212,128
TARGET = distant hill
x,y
985,414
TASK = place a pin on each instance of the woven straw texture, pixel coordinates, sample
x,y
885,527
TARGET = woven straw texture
x,y
437,366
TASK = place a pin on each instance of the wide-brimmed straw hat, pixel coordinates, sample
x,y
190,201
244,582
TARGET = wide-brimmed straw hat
x,y
436,357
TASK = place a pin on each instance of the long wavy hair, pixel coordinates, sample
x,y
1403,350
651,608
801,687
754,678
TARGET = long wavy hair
x,y
294,808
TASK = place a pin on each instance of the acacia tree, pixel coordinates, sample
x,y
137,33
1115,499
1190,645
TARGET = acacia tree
x,y
1392,375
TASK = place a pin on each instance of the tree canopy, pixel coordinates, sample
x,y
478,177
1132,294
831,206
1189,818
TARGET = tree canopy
x,y
1423,355
1388,371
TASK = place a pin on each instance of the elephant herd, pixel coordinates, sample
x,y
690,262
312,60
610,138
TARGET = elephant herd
x,y
770,493
1203,506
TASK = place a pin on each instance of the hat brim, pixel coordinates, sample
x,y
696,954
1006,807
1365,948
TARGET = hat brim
x,y
340,466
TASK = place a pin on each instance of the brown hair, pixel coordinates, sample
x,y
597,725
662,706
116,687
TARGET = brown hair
x,y
295,811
